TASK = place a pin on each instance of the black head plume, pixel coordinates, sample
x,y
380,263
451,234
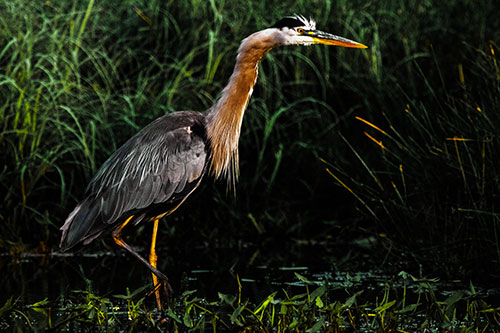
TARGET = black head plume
x,y
293,22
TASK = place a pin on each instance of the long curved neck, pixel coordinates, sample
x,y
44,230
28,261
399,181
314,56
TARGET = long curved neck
x,y
225,117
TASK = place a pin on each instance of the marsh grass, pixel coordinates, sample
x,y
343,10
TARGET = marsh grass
x,y
304,306
434,165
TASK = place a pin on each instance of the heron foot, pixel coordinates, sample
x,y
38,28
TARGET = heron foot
x,y
163,294
163,282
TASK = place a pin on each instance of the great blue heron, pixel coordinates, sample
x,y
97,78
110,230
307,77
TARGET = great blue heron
x,y
158,168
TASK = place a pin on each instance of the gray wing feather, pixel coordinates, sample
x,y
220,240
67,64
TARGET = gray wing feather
x,y
149,169
153,172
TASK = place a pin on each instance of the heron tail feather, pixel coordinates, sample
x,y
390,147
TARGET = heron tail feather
x,y
78,225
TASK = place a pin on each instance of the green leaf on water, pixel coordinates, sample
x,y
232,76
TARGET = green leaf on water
x,y
319,303
317,327
40,304
228,299
293,324
350,301
297,297
472,289
302,278
172,315
408,308
455,297
385,306
188,292
187,318
318,292
236,313
7,306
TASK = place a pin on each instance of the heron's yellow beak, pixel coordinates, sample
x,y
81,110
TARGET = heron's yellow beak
x,y
320,37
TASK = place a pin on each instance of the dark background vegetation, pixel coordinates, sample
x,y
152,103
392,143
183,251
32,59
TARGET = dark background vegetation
x,y
396,145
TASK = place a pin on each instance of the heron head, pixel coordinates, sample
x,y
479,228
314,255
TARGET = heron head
x,y
297,30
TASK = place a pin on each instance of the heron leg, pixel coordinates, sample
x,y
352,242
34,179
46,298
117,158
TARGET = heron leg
x,y
120,242
153,258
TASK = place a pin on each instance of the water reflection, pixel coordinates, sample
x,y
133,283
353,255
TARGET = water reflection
x,y
261,271
59,278
33,277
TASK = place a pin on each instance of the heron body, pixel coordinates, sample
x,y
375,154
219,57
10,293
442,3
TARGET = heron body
x,y
147,177
150,175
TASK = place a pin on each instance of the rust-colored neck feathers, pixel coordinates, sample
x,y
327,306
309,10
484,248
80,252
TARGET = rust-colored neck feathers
x,y
225,117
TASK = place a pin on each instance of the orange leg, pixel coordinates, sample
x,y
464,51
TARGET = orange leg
x,y
118,231
118,240
153,258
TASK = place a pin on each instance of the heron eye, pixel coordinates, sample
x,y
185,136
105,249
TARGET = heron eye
x,y
300,31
